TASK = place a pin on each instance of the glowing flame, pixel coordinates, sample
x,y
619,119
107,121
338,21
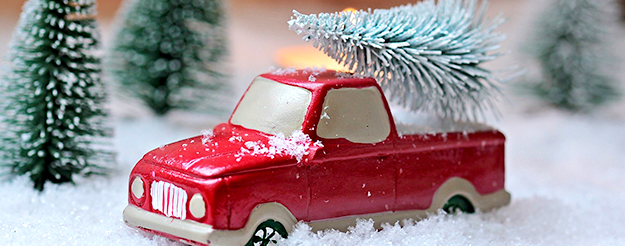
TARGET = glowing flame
x,y
350,9
305,56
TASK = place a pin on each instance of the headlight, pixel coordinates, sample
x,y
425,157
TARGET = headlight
x,y
137,187
197,207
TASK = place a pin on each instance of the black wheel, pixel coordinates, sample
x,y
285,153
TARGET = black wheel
x,y
458,203
267,233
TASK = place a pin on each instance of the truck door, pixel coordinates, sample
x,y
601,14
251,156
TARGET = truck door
x,y
355,174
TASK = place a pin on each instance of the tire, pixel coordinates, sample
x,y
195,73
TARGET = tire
x,y
267,233
458,203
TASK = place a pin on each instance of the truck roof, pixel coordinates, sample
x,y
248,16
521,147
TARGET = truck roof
x,y
315,78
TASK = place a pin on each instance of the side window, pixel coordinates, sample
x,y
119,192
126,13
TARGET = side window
x,y
356,114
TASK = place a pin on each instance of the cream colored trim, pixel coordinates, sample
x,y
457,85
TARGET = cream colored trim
x,y
188,229
356,114
452,187
260,214
198,232
203,233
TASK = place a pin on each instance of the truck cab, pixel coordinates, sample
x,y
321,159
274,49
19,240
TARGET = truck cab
x,y
315,146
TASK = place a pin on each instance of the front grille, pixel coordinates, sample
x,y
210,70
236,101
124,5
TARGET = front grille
x,y
169,199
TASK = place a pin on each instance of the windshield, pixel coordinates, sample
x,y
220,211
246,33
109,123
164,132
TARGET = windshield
x,y
272,107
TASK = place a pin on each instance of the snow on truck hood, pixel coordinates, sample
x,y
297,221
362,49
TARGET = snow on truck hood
x,y
230,149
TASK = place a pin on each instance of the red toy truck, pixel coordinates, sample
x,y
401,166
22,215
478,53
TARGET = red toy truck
x,y
313,146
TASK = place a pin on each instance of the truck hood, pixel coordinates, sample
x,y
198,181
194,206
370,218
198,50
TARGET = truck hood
x,y
229,149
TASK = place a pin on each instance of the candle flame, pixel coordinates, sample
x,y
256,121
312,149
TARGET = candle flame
x,y
350,9
305,56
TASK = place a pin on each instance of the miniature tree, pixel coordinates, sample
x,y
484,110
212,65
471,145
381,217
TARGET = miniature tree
x,y
622,6
52,96
427,56
167,53
569,43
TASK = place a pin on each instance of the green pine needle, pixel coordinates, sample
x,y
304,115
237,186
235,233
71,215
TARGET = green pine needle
x,y
169,54
570,44
52,96
427,57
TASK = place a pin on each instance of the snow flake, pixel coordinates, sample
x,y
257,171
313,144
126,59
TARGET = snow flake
x,y
235,138
206,136
282,71
346,75
296,145
315,70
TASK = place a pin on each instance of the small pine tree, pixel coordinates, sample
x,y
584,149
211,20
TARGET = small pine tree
x,y
167,53
622,6
52,95
569,43
427,56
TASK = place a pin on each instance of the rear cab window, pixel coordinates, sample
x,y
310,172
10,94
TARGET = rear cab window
x,y
356,114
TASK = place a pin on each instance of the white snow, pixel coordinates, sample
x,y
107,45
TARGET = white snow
x,y
295,145
564,173
206,136
314,71
282,71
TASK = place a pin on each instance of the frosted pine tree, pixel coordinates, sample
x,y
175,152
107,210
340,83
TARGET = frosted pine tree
x,y
168,53
52,117
427,56
569,43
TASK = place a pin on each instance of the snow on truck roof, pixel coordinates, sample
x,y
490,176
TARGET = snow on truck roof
x,y
312,78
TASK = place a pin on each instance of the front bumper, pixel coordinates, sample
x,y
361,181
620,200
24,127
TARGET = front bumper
x,y
187,230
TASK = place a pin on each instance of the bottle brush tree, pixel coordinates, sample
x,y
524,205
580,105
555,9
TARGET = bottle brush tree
x,y
168,53
52,111
569,43
428,56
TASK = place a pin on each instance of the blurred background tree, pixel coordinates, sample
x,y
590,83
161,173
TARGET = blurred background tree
x,y
168,53
622,5
570,44
52,96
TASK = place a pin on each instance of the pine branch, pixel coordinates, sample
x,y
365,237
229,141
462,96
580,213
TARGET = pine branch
x,y
427,56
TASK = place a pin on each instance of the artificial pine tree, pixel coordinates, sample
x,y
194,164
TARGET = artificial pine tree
x,y
168,52
622,6
52,96
569,43
427,56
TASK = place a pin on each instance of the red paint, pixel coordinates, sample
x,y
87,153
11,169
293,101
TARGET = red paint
x,y
213,190
341,178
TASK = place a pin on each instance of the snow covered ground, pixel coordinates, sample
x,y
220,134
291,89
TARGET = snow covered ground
x,y
564,172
